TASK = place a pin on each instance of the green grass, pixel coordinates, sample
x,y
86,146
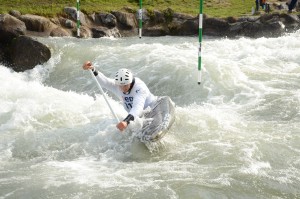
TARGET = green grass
x,y
50,8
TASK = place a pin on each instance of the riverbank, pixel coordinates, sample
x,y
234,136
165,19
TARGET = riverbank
x,y
124,23
54,8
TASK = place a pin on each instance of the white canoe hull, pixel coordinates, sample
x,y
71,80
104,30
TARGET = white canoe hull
x,y
159,120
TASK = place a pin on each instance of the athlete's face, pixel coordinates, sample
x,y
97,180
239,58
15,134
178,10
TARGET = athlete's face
x,y
125,88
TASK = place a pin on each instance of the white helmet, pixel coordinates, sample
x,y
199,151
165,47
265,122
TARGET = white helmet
x,y
123,77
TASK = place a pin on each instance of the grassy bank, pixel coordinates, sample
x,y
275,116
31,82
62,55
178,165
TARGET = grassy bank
x,y
213,8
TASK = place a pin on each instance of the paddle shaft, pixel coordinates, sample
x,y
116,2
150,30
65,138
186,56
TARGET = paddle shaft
x,y
102,92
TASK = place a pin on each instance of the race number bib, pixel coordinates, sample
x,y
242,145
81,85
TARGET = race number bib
x,y
128,102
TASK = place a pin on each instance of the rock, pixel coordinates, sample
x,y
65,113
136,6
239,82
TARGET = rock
x,y
125,20
252,29
99,32
155,23
109,20
186,27
106,19
168,14
248,19
273,29
182,17
152,18
235,29
155,31
15,13
105,32
291,22
128,9
26,53
265,26
59,32
67,23
72,12
37,23
215,26
290,19
183,25
266,17
2,55
232,19
10,27
55,21
189,27
85,32
158,17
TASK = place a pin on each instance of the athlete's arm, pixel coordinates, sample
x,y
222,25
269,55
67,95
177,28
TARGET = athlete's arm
x,y
122,125
104,81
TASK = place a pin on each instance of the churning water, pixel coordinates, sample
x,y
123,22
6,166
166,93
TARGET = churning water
x,y
237,135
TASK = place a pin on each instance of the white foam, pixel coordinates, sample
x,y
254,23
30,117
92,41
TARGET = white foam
x,y
53,118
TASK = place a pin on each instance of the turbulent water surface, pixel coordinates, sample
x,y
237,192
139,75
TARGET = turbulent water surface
x,y
237,135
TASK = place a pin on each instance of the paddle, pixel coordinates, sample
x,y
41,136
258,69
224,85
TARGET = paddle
x,y
102,92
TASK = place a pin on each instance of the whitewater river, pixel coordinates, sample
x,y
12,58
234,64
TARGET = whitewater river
x,y
237,135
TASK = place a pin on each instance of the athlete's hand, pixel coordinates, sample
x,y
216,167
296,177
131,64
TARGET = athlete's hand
x,y
87,65
122,126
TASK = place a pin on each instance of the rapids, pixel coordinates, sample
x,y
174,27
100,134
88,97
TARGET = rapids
x,y
237,135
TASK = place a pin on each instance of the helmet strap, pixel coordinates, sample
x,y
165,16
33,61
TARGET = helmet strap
x,y
131,86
